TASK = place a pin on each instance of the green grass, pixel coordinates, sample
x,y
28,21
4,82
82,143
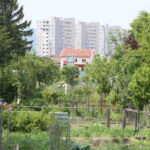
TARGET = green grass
x,y
28,141
39,141
99,130
89,131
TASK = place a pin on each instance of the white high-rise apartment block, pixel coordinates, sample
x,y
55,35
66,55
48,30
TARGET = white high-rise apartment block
x,y
102,47
49,37
107,35
80,35
87,36
93,36
112,35
68,33
53,35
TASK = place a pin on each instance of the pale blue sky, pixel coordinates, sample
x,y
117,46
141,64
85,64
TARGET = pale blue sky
x,y
113,12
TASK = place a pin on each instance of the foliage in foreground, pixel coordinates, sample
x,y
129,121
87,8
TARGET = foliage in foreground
x,y
40,141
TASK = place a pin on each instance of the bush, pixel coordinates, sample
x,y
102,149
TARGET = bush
x,y
27,121
51,95
35,102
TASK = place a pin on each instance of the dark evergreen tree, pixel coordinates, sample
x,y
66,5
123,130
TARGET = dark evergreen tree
x,y
13,31
5,44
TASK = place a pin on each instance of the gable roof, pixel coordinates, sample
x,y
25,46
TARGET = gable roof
x,y
77,52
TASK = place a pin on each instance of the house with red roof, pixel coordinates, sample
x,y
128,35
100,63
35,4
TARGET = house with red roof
x,y
78,57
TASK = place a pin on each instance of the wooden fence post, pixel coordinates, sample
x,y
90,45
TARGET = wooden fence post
x,y
108,117
88,103
123,118
137,119
93,111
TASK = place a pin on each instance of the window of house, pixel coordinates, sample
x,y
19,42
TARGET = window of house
x,y
76,60
83,60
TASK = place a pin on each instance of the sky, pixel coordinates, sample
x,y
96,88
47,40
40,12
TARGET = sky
x,y
112,12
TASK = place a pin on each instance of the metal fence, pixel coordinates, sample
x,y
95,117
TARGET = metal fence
x,y
59,131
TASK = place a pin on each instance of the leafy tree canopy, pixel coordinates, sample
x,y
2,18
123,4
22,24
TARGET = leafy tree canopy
x,y
99,72
70,74
139,87
20,78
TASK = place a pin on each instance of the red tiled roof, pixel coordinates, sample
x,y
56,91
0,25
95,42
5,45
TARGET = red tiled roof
x,y
77,52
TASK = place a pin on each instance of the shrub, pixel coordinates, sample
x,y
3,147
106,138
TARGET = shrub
x,y
35,102
27,121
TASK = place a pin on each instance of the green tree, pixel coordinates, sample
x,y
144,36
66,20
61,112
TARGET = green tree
x,y
46,71
139,87
5,45
13,31
31,70
7,89
130,56
141,29
70,74
99,72
123,69
20,78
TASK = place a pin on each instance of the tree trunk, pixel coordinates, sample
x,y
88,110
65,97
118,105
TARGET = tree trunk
x,y
108,118
73,105
123,118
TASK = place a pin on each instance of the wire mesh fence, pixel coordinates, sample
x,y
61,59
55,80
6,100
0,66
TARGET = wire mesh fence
x,y
59,131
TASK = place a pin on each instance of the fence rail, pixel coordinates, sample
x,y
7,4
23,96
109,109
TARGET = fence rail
x,y
96,107
137,111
